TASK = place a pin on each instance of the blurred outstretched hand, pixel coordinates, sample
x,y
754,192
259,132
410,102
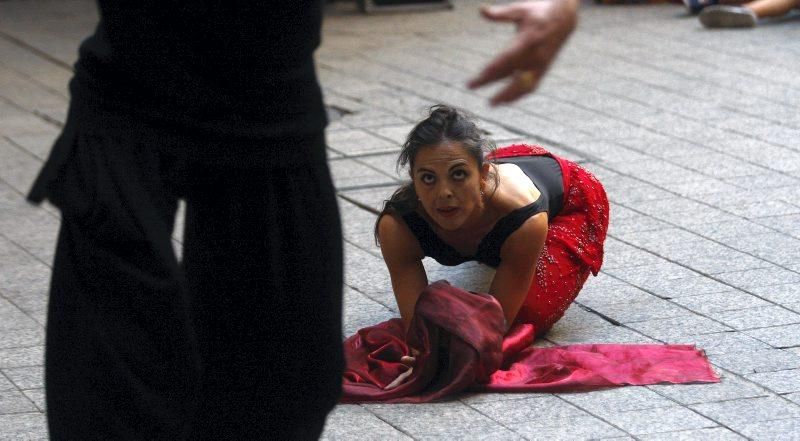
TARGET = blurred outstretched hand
x,y
542,28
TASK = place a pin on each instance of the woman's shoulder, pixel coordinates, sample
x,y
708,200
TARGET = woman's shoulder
x,y
397,238
514,189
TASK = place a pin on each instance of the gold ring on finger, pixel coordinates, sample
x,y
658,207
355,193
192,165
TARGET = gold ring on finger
x,y
526,79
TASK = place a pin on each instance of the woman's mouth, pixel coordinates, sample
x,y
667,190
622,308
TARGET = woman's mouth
x,y
447,211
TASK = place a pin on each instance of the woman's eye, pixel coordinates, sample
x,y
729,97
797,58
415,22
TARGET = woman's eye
x,y
459,174
427,179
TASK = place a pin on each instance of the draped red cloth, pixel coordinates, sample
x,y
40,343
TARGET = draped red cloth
x,y
459,335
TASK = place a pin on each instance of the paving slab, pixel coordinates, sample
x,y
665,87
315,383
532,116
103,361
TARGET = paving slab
x,y
619,294
716,433
778,336
27,426
602,334
572,428
21,357
432,419
648,275
37,397
685,326
650,309
14,401
731,387
688,286
766,360
759,277
21,338
725,342
537,408
353,421
360,311
759,317
781,382
783,429
737,414
618,400
6,384
27,377
721,301
658,420
782,294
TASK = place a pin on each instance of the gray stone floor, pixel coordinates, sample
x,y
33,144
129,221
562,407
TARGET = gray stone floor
x,y
694,133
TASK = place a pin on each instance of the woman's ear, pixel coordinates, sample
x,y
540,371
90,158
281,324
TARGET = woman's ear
x,y
485,170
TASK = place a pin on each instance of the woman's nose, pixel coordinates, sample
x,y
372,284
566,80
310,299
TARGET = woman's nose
x,y
445,192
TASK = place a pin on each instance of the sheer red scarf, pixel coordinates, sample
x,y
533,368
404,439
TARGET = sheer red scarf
x,y
462,347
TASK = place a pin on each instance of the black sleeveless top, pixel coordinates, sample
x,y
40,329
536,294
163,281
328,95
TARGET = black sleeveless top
x,y
545,173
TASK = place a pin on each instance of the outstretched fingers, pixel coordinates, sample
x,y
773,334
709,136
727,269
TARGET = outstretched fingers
x,y
501,66
513,12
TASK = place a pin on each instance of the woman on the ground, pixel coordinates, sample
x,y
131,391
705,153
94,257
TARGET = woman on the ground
x,y
540,220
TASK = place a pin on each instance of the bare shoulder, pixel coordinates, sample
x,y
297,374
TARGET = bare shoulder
x,y
397,241
515,189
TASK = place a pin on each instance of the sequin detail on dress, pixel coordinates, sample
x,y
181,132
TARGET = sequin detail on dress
x,y
574,245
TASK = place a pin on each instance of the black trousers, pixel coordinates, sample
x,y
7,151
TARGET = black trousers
x,y
241,339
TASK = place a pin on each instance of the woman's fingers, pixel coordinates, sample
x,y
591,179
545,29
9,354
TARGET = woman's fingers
x,y
512,12
410,360
502,65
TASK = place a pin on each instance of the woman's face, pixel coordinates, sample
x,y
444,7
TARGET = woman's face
x,y
448,183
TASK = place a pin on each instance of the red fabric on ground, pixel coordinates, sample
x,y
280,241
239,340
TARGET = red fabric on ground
x,y
460,339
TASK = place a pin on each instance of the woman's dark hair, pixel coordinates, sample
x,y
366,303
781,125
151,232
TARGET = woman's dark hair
x,y
443,124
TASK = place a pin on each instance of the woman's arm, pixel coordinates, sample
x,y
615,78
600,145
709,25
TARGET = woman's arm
x,y
518,258
403,256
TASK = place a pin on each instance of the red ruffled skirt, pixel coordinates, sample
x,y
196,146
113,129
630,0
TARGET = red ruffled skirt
x,y
574,245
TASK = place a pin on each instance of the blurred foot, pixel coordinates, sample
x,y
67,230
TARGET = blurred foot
x,y
724,16
695,6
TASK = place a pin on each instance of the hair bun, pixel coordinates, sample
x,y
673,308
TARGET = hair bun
x,y
443,111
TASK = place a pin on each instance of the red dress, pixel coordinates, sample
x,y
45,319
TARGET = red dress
x,y
574,244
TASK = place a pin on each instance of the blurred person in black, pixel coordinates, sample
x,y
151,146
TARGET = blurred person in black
x,y
216,103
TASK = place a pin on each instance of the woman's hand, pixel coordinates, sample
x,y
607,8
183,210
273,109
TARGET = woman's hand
x,y
542,28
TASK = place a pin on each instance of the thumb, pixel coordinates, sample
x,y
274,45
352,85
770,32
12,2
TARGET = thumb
x,y
509,13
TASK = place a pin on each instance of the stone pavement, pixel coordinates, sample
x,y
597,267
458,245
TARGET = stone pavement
x,y
694,133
